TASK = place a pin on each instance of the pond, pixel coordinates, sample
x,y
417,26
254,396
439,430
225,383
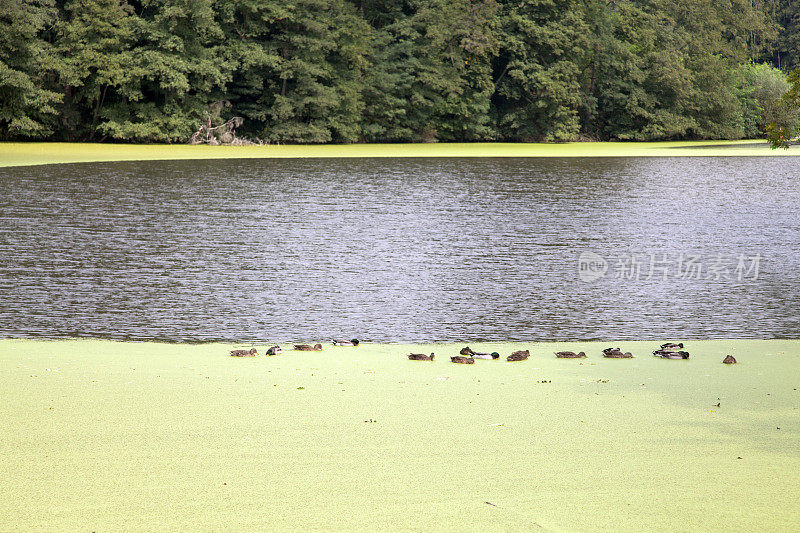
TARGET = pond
x,y
402,250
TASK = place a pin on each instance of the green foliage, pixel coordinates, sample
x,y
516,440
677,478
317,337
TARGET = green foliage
x,y
538,82
431,74
299,69
784,127
760,90
317,71
27,105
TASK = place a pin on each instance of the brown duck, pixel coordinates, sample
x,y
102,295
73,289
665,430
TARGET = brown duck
x,y
462,360
729,360
421,357
519,355
616,353
570,355
244,353
308,347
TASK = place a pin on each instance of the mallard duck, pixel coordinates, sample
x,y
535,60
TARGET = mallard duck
x,y
466,350
483,355
351,342
729,360
570,355
308,347
671,346
668,354
519,355
275,350
618,355
244,353
462,360
421,357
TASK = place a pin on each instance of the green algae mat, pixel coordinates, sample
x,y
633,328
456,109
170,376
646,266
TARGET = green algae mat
x,y
101,435
14,154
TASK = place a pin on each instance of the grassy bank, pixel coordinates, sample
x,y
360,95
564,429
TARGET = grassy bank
x,y
100,435
14,154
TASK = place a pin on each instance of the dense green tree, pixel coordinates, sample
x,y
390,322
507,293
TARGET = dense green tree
x,y
27,66
761,91
785,126
179,72
95,40
538,79
784,53
431,75
300,68
311,71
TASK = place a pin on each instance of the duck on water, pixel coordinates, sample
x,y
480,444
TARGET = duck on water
x,y
519,355
671,350
351,342
570,355
244,353
308,347
467,351
616,353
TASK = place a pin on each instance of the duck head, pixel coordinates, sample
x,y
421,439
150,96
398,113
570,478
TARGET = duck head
x,y
354,341
495,355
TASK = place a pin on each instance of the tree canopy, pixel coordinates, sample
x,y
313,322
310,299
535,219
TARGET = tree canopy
x,y
319,71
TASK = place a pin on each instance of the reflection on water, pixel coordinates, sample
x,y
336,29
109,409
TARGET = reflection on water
x,y
395,250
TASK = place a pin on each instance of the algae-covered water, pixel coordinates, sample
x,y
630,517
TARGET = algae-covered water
x,y
120,436
15,154
403,249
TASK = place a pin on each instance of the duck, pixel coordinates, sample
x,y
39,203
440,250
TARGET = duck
x,y
667,354
483,355
519,355
616,353
308,347
671,346
570,355
729,360
244,353
421,357
274,350
462,360
351,342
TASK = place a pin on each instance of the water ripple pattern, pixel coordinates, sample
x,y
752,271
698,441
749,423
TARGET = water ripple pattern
x,y
396,250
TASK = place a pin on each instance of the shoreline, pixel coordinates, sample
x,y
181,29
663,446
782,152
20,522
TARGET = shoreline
x,y
102,434
38,153
395,344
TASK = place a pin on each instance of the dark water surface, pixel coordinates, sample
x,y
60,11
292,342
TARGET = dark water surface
x,y
402,249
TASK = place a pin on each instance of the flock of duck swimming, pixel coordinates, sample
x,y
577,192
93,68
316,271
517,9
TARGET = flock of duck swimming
x,y
467,356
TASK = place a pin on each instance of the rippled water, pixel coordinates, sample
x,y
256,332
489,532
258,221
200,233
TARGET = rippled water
x,y
400,249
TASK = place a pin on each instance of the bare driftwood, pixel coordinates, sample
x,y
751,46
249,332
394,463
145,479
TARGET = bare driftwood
x,y
224,133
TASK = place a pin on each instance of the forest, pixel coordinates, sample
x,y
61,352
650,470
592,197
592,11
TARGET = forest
x,y
345,71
